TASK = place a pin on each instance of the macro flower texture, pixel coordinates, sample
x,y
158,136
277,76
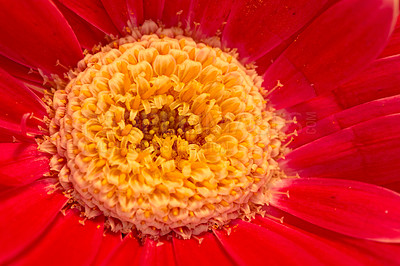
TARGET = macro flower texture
x,y
195,132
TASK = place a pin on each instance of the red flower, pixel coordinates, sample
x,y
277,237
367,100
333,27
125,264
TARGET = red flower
x,y
337,82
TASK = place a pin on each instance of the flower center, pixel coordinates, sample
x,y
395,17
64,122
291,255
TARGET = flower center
x,y
164,134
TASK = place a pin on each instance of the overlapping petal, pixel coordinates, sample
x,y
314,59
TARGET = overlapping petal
x,y
87,34
118,12
21,164
368,152
108,243
126,252
18,105
352,208
248,241
93,12
327,53
205,244
35,33
257,27
26,213
71,234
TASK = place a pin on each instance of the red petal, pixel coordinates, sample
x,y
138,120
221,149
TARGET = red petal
x,y
348,207
88,35
108,243
312,245
17,100
329,51
93,12
377,81
368,152
256,27
126,253
176,12
208,17
67,242
17,104
347,118
26,212
19,71
21,164
353,251
153,9
157,253
11,132
248,241
36,34
118,12
135,11
192,251
393,46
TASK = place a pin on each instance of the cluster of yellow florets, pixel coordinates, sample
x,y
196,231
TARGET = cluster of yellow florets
x,y
164,134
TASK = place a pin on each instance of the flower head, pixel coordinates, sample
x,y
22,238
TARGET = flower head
x,y
175,127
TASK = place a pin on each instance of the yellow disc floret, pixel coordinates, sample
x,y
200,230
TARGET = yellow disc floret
x,y
164,134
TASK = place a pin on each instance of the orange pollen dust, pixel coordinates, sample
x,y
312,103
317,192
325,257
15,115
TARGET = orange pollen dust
x,y
164,134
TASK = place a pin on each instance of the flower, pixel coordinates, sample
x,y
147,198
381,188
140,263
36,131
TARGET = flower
x,y
338,86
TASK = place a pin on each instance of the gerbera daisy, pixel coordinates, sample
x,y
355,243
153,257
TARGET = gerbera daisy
x,y
194,132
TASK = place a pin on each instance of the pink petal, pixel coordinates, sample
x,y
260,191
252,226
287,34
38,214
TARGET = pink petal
x,y
256,27
126,253
192,251
135,11
88,35
118,12
153,9
329,51
48,39
208,17
369,152
345,119
348,207
67,241
108,243
311,245
93,12
26,212
247,242
21,164
393,46
176,12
